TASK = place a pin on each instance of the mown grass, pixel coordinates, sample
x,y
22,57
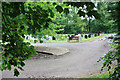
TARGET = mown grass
x,y
93,38
73,41
105,73
28,40
102,75
83,39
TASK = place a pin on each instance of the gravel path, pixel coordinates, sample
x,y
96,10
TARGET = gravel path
x,y
79,62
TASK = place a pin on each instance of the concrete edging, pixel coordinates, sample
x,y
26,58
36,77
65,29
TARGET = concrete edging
x,y
51,50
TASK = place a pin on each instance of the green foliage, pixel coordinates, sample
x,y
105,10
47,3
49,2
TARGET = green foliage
x,y
59,8
115,54
105,23
74,23
102,75
66,10
81,13
38,16
88,11
109,58
63,39
19,19
15,51
16,72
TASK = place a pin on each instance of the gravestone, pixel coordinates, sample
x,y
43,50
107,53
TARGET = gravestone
x,y
95,35
44,39
86,36
81,35
53,38
27,37
89,35
68,35
80,38
47,38
98,33
50,37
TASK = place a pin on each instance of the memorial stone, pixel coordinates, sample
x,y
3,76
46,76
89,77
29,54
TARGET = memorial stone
x,y
86,36
95,35
80,38
89,35
81,35
27,37
53,38
98,33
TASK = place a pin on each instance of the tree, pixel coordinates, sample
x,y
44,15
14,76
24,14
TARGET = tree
x,y
74,23
105,23
56,26
114,55
58,23
15,18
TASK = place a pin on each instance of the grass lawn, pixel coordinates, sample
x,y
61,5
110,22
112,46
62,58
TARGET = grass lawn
x,y
102,75
28,41
61,41
83,39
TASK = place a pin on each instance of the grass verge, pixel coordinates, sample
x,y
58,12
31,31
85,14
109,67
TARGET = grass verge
x,y
28,41
83,39
105,73
102,75
65,41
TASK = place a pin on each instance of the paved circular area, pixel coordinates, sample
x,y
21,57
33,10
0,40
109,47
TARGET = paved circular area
x,y
51,50
79,62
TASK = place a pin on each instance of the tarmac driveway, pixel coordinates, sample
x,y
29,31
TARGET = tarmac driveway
x,y
79,62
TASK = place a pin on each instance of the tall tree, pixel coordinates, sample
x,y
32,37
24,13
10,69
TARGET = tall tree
x,y
74,23
105,23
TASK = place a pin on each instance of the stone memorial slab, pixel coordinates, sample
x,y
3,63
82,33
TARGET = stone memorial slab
x,y
98,33
95,35
53,38
89,35
86,36
80,38
81,35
